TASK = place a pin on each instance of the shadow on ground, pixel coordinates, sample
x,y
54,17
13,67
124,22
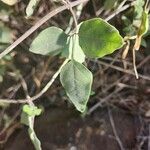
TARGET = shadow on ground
x,y
63,129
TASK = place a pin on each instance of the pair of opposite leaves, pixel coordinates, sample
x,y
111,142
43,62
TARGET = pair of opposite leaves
x,y
96,38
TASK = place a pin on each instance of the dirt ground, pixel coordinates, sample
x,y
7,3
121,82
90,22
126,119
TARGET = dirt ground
x,y
62,129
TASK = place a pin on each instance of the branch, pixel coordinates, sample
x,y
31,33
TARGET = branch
x,y
114,130
38,24
73,15
26,100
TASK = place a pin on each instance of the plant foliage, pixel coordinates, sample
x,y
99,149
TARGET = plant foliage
x,y
49,42
96,38
31,7
27,118
77,81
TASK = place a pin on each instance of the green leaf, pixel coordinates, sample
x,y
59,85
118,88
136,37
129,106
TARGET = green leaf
x,y
77,52
32,110
24,118
31,7
129,29
144,24
49,42
109,4
138,6
66,50
92,93
77,81
5,34
143,29
73,49
148,32
98,38
28,120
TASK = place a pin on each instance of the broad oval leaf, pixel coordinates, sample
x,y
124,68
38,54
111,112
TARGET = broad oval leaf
x,y
77,81
98,38
49,42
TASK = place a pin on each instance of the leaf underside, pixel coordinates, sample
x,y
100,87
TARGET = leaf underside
x,y
49,42
77,81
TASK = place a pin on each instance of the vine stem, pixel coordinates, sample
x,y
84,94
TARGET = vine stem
x,y
134,64
69,5
40,23
14,101
114,129
78,13
121,9
73,15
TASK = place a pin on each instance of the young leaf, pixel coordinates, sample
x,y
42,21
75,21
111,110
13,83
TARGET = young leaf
x,y
32,110
77,52
28,120
49,42
77,81
144,23
31,7
73,49
142,29
98,38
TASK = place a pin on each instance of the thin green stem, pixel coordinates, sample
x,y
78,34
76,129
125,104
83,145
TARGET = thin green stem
x,y
15,101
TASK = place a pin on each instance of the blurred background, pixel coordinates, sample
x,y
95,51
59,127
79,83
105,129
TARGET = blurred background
x,y
117,117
